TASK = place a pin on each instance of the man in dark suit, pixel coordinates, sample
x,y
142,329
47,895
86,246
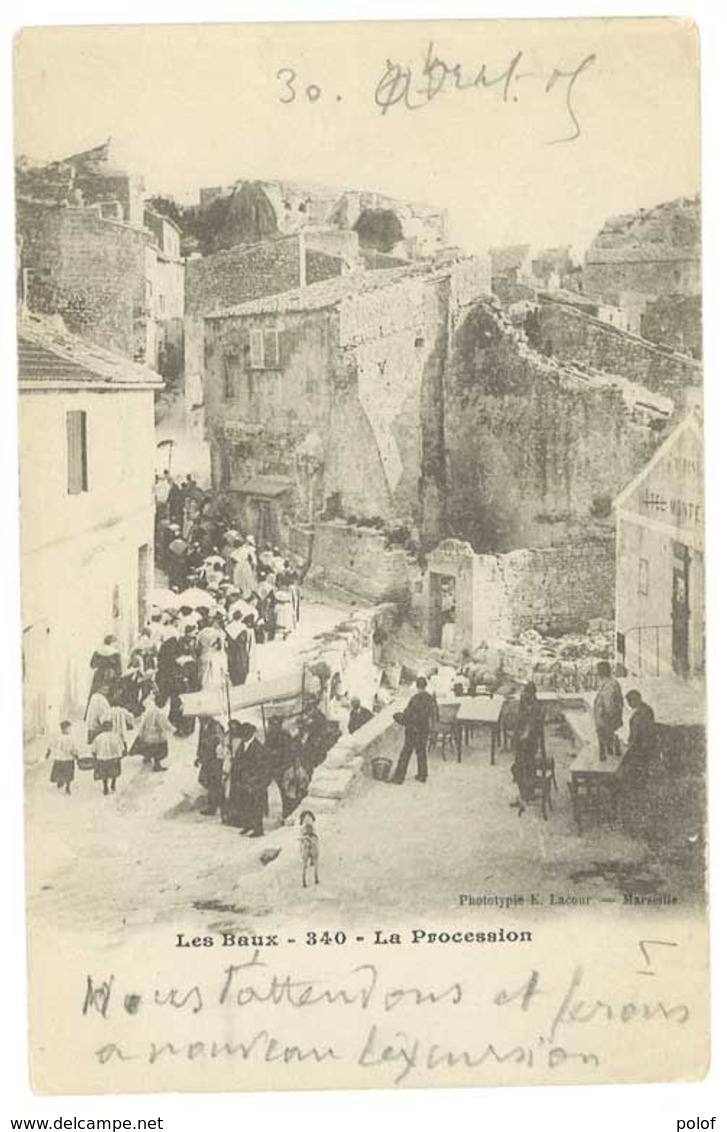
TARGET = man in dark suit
x,y
255,775
642,746
416,719
359,715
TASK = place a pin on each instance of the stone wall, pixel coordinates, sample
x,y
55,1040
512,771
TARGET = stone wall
x,y
321,265
393,344
675,321
241,273
575,336
554,589
92,272
536,450
647,273
355,559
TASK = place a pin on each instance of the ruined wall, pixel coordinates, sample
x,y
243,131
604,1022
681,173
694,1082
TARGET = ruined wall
x,y
92,272
575,336
675,321
555,589
535,454
654,251
355,560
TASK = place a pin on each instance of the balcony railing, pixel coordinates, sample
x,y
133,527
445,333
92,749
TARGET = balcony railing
x,y
647,649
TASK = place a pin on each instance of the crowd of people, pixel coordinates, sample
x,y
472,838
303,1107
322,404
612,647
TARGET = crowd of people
x,y
237,765
134,710
198,546
228,599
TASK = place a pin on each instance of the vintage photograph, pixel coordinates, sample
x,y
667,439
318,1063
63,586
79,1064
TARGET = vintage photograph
x,y
362,539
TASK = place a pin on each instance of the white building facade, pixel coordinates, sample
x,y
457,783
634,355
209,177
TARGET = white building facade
x,y
660,561
87,511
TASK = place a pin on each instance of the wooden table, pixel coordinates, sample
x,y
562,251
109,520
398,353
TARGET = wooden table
x,y
479,712
595,784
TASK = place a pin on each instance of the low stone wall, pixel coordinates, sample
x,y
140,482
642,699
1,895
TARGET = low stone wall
x,y
351,757
355,559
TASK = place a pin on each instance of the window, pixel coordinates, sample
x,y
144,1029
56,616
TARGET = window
x,y
257,349
264,349
77,452
229,379
643,576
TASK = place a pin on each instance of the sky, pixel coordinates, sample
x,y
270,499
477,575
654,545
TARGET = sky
x,y
188,106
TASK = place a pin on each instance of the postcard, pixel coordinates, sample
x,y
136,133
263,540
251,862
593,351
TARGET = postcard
x,y
362,538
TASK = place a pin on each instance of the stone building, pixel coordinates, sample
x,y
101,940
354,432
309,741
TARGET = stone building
x,y
660,561
89,178
93,253
328,398
249,271
652,252
87,512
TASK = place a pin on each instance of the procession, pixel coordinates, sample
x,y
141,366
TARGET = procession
x,y
226,603
195,671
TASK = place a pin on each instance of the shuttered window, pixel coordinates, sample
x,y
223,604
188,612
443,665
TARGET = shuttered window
x,y
257,349
272,356
77,453
264,349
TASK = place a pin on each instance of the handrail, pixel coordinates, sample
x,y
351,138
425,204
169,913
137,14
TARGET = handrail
x,y
640,630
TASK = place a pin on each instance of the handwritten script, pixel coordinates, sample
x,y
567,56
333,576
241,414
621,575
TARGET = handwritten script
x,y
405,87
251,1012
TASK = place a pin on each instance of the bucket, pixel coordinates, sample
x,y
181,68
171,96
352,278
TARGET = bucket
x,y
381,769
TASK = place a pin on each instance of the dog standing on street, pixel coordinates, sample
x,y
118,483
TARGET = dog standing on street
x,y
308,845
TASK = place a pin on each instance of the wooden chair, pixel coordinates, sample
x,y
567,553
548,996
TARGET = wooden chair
x,y
508,722
444,731
594,793
544,784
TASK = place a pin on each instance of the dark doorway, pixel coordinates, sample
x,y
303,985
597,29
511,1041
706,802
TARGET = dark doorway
x,y
442,608
680,609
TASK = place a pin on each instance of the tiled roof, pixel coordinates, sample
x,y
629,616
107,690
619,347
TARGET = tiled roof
x,y
48,352
328,293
